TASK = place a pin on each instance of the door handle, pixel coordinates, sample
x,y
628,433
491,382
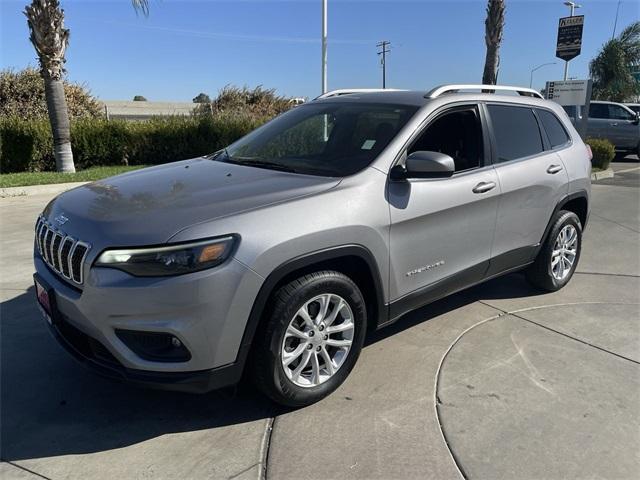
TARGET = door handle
x,y
554,169
484,187
614,124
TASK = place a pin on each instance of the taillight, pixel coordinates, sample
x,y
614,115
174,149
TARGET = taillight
x,y
589,151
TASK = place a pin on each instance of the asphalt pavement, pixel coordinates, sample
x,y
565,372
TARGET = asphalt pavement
x,y
498,381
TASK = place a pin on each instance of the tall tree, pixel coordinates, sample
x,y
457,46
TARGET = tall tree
x,y
50,39
611,68
202,98
494,25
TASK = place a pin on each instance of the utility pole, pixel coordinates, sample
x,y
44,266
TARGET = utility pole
x,y
384,50
572,6
324,46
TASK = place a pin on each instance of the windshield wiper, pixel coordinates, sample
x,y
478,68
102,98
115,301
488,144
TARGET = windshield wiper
x,y
260,164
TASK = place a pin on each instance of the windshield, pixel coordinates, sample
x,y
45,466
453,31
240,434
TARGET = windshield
x,y
329,139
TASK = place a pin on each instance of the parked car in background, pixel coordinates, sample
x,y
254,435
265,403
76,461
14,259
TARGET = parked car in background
x,y
611,121
281,251
633,106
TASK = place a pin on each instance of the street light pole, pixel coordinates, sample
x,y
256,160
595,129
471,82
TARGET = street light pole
x,y
324,46
572,6
536,68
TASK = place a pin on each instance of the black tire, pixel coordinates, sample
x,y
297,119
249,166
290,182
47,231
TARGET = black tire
x,y
539,273
268,371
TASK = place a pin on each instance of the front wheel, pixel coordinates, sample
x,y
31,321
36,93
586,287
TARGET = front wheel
x,y
311,340
558,257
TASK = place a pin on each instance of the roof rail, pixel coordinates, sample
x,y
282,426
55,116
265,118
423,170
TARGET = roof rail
x,y
348,91
525,92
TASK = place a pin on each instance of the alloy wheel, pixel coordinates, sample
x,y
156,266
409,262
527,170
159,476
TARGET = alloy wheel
x,y
564,252
318,340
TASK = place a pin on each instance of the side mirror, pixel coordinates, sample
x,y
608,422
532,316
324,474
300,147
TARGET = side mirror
x,y
423,164
636,121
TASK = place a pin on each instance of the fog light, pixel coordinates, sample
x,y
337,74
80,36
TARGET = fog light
x,y
154,346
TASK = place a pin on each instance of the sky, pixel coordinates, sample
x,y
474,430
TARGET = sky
x,y
186,47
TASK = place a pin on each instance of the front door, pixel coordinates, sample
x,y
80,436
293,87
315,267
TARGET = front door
x,y
442,228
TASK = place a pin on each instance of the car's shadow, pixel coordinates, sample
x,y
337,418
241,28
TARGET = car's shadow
x,y
51,406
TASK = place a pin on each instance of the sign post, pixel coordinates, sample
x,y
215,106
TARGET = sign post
x,y
573,93
569,41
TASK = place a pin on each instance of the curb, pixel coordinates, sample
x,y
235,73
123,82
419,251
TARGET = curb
x,y
51,189
608,173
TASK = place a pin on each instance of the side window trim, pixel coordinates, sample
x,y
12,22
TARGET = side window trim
x,y
546,143
433,116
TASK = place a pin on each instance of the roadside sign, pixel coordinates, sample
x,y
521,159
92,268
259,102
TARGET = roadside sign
x,y
568,92
572,93
569,37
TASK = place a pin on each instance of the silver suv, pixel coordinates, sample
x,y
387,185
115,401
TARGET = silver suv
x,y
275,256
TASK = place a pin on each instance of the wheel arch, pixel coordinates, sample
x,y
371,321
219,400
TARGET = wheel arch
x,y
355,261
577,202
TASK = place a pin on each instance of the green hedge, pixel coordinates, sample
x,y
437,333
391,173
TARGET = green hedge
x,y
27,145
603,152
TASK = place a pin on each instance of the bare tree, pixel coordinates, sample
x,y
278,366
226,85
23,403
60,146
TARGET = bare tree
x,y
50,39
494,25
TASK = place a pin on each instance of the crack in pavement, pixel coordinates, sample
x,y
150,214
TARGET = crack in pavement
x,y
19,467
266,447
613,221
626,275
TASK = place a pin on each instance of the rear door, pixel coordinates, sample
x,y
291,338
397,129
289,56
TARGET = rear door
x,y
532,180
598,122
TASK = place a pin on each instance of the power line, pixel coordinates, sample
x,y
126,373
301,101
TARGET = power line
x,y
615,24
385,47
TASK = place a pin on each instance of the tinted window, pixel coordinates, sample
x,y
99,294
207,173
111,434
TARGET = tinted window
x,y
516,132
457,133
555,131
598,110
618,113
323,138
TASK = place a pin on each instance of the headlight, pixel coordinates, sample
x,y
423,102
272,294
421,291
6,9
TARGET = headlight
x,y
168,260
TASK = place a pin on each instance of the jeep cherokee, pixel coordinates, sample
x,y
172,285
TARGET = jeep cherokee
x,y
277,254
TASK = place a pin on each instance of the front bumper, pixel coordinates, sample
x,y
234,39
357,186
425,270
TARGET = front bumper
x,y
207,311
95,356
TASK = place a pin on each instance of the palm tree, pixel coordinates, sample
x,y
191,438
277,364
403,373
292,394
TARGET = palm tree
x,y
611,68
494,25
50,39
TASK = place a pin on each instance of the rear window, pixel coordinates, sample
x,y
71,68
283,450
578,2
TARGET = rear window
x,y
555,131
516,132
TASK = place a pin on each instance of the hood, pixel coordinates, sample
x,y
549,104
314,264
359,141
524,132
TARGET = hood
x,y
151,205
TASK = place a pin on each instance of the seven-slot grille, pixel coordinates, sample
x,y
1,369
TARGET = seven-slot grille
x,y
62,253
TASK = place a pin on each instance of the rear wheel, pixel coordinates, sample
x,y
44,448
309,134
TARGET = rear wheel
x,y
558,257
311,340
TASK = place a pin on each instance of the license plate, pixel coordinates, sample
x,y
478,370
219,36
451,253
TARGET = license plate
x,y
45,300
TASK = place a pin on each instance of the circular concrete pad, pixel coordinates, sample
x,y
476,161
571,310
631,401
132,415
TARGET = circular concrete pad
x,y
557,398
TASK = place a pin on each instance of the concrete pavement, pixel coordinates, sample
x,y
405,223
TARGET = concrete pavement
x,y
499,381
